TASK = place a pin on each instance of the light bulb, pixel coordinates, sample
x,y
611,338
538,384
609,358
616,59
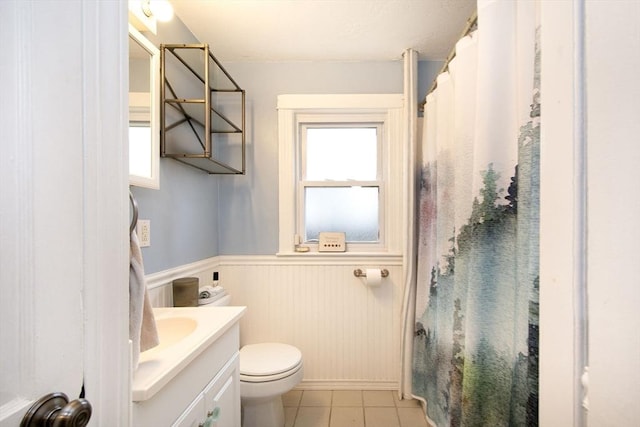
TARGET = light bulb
x,y
162,10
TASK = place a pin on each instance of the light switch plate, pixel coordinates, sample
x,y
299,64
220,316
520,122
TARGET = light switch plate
x,y
331,242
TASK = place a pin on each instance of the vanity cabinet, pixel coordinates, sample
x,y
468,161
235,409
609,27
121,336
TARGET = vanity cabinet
x,y
196,380
219,403
222,397
194,415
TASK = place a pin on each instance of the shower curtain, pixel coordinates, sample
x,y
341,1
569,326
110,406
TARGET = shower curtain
x,y
475,344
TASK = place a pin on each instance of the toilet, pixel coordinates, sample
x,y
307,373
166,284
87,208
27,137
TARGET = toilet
x,y
267,371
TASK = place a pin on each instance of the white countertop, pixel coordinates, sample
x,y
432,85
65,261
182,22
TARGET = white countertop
x,y
160,365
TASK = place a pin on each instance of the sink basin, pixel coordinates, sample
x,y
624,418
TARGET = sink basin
x,y
184,333
172,330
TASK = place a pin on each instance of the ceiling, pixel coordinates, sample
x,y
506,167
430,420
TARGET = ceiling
x,y
325,30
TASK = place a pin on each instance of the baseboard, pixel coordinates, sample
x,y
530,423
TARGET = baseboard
x,y
346,385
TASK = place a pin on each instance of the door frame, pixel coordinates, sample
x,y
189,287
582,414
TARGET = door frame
x,y
106,70
562,213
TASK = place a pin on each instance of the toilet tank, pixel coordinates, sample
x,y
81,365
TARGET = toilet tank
x,y
220,302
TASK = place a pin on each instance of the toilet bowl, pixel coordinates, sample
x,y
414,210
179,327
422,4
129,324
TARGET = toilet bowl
x,y
267,371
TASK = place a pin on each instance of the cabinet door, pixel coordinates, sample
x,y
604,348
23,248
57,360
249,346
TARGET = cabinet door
x,y
193,416
222,396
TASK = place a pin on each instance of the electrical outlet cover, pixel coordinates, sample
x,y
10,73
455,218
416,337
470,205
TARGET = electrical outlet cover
x,y
143,229
331,242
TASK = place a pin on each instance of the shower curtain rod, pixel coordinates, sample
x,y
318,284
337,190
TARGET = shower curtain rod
x,y
472,24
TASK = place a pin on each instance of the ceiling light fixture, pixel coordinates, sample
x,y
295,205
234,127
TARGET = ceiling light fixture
x,y
161,9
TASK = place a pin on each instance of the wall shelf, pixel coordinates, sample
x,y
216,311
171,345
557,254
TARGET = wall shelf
x,y
202,110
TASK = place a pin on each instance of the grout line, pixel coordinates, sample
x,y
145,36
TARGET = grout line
x,y
331,406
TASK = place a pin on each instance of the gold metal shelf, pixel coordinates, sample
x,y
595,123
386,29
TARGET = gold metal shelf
x,y
204,125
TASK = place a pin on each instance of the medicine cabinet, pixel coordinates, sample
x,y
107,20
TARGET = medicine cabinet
x,y
144,111
202,110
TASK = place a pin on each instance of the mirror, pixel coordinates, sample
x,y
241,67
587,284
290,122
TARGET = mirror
x,y
144,114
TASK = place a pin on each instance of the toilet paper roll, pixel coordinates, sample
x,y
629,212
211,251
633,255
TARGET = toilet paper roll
x,y
374,277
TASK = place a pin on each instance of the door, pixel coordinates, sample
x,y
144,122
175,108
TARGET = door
x,y
589,212
612,37
63,206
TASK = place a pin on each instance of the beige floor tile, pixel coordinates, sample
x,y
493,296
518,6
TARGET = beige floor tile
x,y
290,415
378,398
316,398
381,417
312,417
406,403
347,398
347,417
291,398
412,417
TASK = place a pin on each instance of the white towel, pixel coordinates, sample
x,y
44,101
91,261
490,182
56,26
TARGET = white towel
x,y
209,294
209,291
142,325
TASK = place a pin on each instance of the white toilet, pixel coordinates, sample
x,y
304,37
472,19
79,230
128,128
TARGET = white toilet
x,y
267,371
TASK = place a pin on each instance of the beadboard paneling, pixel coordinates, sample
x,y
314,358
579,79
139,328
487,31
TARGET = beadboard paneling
x,y
159,284
349,333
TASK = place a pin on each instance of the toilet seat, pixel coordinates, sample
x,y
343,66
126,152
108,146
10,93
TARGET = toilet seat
x,y
268,362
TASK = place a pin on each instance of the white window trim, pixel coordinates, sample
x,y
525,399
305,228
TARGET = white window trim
x,y
385,108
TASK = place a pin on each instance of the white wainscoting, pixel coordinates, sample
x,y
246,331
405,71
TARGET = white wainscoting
x,y
159,284
348,333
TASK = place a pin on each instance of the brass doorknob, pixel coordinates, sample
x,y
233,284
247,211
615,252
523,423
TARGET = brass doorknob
x,y
55,410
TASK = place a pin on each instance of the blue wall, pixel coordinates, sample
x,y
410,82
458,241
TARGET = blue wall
x,y
194,215
427,72
249,204
184,212
183,215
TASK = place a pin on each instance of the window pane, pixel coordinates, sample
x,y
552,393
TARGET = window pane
x,y
353,210
140,149
341,154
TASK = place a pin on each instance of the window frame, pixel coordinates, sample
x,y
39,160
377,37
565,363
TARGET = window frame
x,y
385,111
332,121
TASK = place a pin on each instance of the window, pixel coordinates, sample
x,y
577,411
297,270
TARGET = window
x,y
336,154
140,148
341,181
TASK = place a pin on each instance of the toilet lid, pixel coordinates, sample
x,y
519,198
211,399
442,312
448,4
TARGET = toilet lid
x,y
268,359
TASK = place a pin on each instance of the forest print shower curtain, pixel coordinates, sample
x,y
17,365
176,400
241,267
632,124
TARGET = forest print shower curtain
x,y
475,352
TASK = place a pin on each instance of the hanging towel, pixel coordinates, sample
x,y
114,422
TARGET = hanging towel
x,y
142,325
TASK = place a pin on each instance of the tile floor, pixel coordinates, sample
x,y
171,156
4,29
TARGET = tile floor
x,y
350,408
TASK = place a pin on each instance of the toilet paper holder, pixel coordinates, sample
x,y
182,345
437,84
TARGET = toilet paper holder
x,y
360,273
